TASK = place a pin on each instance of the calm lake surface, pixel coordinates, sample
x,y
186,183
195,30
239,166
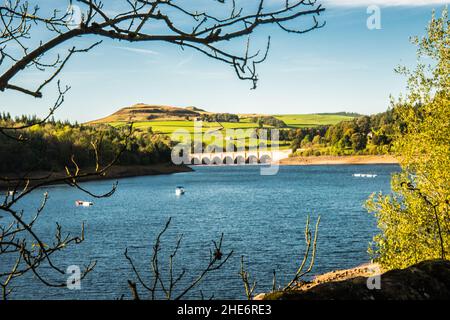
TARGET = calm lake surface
x,y
262,218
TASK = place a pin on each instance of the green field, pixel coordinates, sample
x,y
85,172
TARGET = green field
x,y
311,120
169,127
293,121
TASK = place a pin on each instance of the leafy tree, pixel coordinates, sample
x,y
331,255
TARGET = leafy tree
x,y
414,220
306,141
270,121
220,117
316,139
358,141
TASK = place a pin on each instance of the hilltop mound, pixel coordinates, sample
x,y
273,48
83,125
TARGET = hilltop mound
x,y
146,112
196,109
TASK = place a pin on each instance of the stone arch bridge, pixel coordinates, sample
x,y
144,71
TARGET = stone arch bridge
x,y
238,157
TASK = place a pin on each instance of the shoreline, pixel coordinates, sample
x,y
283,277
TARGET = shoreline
x,y
338,160
119,172
115,172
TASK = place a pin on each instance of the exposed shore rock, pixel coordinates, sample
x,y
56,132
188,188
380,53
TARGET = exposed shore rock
x,y
427,280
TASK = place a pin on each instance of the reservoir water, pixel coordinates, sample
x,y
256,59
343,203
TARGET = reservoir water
x,y
262,218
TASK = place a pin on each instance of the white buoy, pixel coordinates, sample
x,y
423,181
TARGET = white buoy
x,y
179,191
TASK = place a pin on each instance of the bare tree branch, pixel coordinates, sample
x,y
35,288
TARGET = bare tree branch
x,y
204,32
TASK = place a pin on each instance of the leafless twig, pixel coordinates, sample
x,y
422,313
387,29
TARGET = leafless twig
x,y
168,286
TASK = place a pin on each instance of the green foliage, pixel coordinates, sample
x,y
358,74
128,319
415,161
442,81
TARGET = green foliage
x,y
269,121
219,117
414,220
362,135
342,113
358,141
49,146
292,128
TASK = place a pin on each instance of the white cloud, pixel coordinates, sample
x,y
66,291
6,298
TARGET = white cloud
x,y
386,3
138,50
184,62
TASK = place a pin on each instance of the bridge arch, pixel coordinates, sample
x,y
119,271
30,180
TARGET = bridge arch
x,y
228,160
217,160
239,160
252,159
195,161
241,157
265,158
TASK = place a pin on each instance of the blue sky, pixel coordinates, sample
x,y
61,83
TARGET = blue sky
x,y
342,67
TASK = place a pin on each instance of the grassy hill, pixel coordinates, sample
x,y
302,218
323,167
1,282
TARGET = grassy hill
x,y
143,112
166,119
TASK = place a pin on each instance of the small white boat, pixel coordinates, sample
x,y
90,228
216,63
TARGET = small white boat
x,y
80,203
179,191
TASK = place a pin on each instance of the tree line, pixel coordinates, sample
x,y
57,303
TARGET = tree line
x,y
49,146
219,117
361,135
270,121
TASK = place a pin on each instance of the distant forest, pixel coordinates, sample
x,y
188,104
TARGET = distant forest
x,y
49,146
361,135
342,113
